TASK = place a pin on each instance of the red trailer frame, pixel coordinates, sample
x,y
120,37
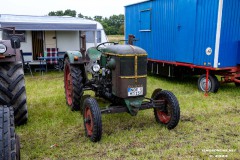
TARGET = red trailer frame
x,y
228,74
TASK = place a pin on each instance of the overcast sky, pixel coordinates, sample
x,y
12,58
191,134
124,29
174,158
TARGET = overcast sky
x,y
91,8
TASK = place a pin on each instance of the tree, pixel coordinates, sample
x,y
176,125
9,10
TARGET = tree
x,y
80,15
112,25
121,30
87,17
70,12
67,12
98,18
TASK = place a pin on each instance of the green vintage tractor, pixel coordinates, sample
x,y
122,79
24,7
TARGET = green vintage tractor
x,y
13,104
118,74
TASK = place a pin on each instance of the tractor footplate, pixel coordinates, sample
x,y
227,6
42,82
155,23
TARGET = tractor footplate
x,y
115,109
160,104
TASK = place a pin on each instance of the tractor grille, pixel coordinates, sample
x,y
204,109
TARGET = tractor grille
x,y
127,66
142,65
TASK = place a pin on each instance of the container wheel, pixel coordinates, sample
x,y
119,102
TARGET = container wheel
x,y
13,91
73,85
171,114
9,149
92,119
213,83
237,84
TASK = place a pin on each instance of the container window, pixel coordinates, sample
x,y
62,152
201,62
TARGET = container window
x,y
7,34
145,20
99,37
90,37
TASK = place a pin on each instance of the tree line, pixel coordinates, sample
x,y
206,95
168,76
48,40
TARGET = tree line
x,y
113,25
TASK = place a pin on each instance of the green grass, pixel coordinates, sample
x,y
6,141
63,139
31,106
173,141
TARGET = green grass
x,y
55,132
116,38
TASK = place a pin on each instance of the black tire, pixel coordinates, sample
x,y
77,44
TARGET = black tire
x,y
12,90
8,146
171,114
92,119
213,83
73,85
18,155
82,101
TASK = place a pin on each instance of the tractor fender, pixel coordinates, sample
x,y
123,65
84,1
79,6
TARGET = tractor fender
x,y
74,56
93,54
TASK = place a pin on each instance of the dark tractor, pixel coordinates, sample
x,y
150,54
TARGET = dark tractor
x,y
118,74
13,104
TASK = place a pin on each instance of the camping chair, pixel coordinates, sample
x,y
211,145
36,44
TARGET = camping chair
x,y
26,65
52,57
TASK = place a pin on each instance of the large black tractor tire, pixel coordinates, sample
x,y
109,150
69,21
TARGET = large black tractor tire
x,y
73,85
213,83
9,143
12,90
92,119
170,116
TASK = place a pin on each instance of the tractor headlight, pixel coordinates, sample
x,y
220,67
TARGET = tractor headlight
x,y
3,48
96,67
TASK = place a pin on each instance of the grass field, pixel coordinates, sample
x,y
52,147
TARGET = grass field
x,y
209,126
115,38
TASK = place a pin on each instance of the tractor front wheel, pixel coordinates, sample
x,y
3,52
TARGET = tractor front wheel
x,y
73,85
170,115
92,119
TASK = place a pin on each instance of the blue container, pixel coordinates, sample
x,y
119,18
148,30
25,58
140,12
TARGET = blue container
x,y
199,32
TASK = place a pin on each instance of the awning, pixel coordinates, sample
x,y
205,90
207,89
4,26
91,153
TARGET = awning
x,y
44,23
48,26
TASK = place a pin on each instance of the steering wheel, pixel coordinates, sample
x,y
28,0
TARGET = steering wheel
x,y
114,43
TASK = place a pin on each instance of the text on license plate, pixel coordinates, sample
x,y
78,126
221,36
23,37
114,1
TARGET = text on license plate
x,y
138,91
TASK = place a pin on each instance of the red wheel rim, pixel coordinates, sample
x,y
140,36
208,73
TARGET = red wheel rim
x,y
88,120
68,85
164,117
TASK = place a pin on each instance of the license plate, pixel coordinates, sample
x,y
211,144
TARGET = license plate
x,y
137,91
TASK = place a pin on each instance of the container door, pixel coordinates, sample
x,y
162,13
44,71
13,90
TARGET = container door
x,y
37,44
146,30
50,39
185,26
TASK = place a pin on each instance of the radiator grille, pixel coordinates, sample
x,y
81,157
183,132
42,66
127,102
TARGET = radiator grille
x,y
127,66
142,65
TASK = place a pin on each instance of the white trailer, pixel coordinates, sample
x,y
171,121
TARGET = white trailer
x,y
43,32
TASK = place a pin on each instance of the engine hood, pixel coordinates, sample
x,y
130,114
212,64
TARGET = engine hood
x,y
123,50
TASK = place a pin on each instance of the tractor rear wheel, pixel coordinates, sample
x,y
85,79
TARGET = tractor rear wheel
x,y
73,85
9,149
12,90
213,83
171,114
92,119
